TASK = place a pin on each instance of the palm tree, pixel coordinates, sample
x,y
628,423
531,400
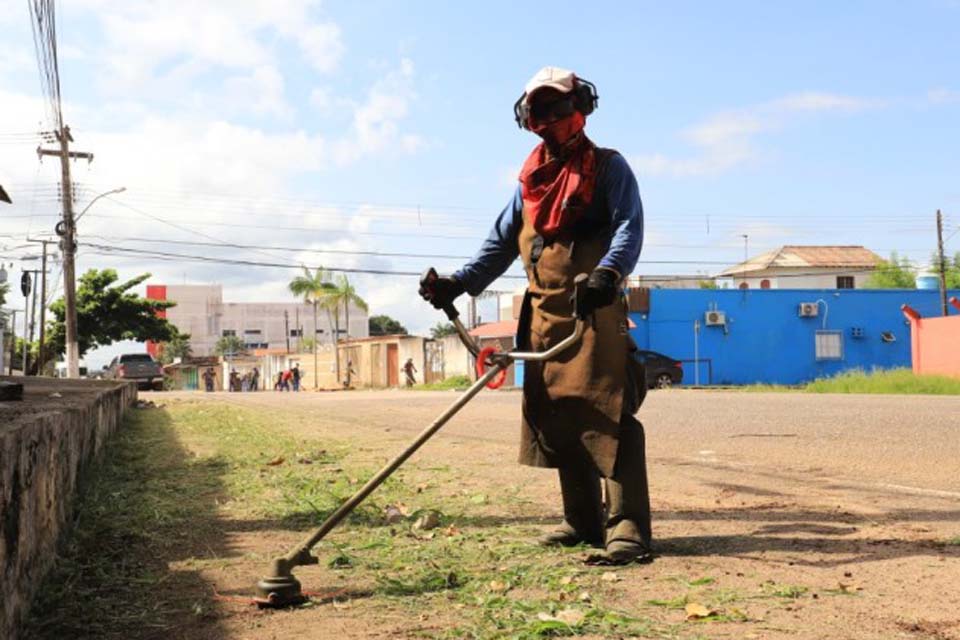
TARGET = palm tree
x,y
341,293
313,288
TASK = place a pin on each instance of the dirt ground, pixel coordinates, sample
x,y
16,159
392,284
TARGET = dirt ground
x,y
811,516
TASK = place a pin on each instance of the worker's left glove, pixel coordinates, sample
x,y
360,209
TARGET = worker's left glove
x,y
602,290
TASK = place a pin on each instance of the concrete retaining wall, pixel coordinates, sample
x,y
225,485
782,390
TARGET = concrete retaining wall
x,y
46,442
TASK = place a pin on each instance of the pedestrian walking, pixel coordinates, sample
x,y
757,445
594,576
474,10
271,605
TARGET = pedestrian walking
x,y
209,376
409,369
348,381
295,377
576,210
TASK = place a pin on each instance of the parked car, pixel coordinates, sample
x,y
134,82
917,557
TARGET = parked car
x,y
140,367
662,371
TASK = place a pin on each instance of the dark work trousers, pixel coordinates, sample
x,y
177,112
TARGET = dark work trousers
x,y
628,495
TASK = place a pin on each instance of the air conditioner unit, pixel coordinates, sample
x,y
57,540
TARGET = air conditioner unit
x,y
808,310
715,318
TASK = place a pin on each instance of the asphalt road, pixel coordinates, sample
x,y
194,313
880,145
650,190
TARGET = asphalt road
x,y
896,444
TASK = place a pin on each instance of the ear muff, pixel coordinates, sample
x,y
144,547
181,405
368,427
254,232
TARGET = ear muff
x,y
585,100
585,97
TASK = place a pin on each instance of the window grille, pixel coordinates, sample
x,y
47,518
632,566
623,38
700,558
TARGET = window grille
x,y
829,345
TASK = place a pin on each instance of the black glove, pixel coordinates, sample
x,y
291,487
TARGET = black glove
x,y
602,290
440,291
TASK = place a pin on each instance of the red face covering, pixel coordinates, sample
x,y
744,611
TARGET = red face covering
x,y
558,176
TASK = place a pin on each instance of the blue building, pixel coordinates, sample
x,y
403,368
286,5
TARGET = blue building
x,y
778,336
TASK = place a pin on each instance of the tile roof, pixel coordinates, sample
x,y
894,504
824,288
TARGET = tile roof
x,y
807,256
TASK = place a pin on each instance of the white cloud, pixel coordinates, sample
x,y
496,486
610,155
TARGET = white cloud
x,y
322,46
943,96
376,120
261,92
728,139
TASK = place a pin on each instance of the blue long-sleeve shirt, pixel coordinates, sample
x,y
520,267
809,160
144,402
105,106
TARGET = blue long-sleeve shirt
x,y
501,248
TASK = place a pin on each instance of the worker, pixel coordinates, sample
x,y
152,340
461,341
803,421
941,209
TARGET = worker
x,y
576,210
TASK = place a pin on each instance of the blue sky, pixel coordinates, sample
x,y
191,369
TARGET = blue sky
x,y
326,125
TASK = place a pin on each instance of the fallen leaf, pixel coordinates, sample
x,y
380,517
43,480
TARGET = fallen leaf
x,y
849,587
429,520
276,461
609,576
392,514
695,611
584,597
566,580
452,531
572,617
498,587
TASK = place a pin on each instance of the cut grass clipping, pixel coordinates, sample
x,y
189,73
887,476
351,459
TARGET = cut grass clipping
x,y
154,519
888,381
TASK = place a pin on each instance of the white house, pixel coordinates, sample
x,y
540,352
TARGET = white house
x,y
805,267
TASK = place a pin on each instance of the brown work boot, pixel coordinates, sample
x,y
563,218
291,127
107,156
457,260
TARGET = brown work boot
x,y
582,509
628,531
566,536
625,545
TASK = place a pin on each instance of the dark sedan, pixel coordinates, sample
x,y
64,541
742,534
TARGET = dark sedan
x,y
662,371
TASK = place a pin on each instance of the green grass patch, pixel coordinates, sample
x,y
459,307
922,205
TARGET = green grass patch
x,y
887,381
451,383
790,591
954,542
174,482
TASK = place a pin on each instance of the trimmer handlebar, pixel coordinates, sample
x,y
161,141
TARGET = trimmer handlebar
x,y
579,291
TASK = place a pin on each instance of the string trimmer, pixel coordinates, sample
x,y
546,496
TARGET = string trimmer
x,y
280,588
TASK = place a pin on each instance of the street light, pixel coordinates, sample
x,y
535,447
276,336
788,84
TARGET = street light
x,y
102,195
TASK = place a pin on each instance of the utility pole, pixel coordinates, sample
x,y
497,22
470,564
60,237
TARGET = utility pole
x,y
26,323
68,244
41,359
13,341
299,330
286,327
942,266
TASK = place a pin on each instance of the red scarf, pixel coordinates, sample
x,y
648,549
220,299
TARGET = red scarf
x,y
557,188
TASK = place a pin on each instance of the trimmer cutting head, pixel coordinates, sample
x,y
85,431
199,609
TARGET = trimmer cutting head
x,y
277,592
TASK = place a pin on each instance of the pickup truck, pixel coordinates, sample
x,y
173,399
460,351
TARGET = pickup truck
x,y
139,367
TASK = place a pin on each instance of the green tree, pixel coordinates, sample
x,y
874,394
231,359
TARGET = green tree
x,y
385,326
341,293
177,347
108,312
951,266
895,273
312,287
230,346
708,284
442,330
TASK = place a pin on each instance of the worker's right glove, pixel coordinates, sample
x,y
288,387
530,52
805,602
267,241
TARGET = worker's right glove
x,y
441,291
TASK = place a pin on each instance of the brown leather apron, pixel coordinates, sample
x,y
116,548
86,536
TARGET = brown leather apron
x,y
571,405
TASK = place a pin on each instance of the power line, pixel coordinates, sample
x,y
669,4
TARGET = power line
x,y
253,263
108,250
384,254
